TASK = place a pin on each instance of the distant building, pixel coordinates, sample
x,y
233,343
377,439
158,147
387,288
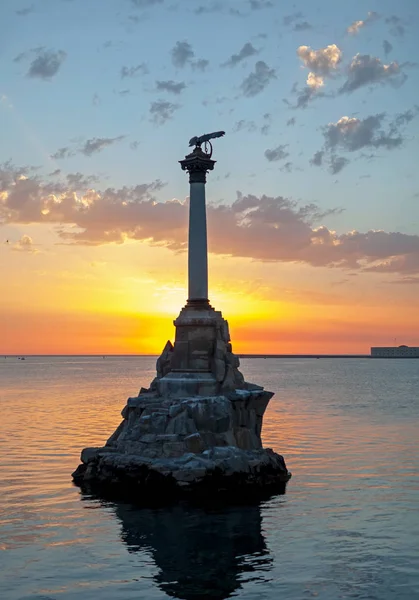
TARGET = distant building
x,y
395,352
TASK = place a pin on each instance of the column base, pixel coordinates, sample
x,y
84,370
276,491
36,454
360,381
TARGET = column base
x,y
198,303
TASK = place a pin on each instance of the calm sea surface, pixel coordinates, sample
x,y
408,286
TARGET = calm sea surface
x,y
348,526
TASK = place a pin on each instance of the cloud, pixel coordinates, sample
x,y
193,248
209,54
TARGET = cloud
x,y
397,29
350,134
25,244
257,81
290,19
387,47
280,228
308,93
354,28
46,64
303,26
321,62
367,70
133,71
314,81
97,144
161,111
317,159
25,11
210,8
79,181
145,3
244,125
291,122
64,152
277,153
337,163
171,86
200,65
267,122
287,168
260,4
247,50
91,146
182,53
412,280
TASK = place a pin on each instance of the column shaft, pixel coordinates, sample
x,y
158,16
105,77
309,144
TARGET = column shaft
x,y
197,244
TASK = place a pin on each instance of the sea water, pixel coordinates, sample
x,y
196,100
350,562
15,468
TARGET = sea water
x,y
347,527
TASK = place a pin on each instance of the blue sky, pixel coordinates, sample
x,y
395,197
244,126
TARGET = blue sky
x,y
83,99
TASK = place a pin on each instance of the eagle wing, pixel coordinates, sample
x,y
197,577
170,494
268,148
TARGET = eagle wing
x,y
216,134
205,138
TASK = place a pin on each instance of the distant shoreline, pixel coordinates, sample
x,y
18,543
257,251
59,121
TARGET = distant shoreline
x,y
265,356
157,355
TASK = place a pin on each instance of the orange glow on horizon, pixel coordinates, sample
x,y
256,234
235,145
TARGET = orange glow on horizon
x,y
123,300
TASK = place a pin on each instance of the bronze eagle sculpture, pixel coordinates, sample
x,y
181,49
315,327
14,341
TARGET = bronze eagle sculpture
x,y
197,141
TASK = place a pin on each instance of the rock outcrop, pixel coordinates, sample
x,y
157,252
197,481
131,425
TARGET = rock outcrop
x,y
196,430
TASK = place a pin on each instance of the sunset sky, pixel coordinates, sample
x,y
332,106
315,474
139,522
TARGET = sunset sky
x,y
313,206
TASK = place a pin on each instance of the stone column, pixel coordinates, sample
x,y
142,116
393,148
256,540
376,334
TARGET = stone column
x,y
197,164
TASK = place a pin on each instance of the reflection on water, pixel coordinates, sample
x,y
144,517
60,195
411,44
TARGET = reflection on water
x,y
346,528
199,553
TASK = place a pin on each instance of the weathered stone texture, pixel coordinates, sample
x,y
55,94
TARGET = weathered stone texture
x,y
199,423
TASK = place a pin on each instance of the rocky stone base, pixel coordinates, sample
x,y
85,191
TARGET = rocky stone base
x,y
195,431
220,472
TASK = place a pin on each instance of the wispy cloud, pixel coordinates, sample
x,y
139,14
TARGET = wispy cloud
x,y
45,64
247,50
89,147
182,53
140,69
356,26
278,153
162,110
171,86
257,81
25,11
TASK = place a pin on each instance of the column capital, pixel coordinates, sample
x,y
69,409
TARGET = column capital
x,y
197,163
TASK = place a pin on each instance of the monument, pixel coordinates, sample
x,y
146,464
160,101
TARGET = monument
x,y
197,429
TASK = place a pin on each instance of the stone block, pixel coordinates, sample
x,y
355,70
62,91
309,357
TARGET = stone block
x,y
164,361
173,449
259,401
181,424
194,443
229,382
144,423
189,475
219,369
88,454
246,439
148,438
175,410
225,439
158,423
114,437
168,437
